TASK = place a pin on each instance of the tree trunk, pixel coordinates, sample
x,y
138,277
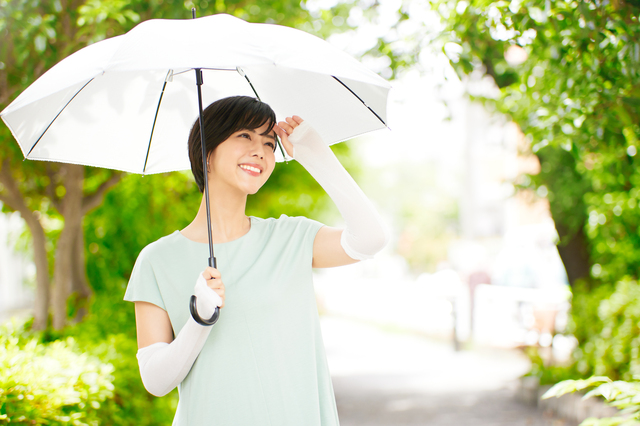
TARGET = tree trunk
x,y
79,286
41,305
70,273
574,253
14,199
71,210
568,210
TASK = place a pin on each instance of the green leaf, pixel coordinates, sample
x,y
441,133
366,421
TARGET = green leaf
x,y
570,386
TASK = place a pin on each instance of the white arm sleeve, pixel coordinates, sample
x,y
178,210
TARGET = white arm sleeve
x,y
364,234
164,365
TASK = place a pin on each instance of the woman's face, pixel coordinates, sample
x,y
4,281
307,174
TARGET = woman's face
x,y
245,160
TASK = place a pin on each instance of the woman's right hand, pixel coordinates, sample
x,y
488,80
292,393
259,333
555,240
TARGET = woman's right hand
x,y
209,291
214,282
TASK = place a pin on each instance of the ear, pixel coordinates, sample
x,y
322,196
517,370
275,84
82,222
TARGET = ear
x,y
208,160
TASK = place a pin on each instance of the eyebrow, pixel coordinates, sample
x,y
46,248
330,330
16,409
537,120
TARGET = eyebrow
x,y
271,134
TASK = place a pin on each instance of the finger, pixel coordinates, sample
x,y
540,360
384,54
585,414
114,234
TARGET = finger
x,y
297,119
221,293
282,134
215,284
285,126
284,140
293,123
211,273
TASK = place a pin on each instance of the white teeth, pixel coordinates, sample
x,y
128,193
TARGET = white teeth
x,y
250,168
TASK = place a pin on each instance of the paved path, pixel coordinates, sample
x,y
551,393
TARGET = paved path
x,y
389,378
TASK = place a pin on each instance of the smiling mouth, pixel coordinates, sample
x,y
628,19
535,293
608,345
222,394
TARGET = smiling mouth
x,y
250,168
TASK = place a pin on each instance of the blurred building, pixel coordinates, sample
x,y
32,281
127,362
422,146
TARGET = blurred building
x,y
507,238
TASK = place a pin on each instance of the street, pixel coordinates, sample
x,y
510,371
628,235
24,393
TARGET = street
x,y
390,377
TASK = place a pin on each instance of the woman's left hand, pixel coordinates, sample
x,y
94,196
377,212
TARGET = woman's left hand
x,y
284,130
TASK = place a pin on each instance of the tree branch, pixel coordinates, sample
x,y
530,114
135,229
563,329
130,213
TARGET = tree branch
x,y
92,201
14,198
8,197
6,92
7,201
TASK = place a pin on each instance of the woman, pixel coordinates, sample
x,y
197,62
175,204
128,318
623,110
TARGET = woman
x,y
263,363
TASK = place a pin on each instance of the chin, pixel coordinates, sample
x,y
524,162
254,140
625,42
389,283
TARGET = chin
x,y
253,190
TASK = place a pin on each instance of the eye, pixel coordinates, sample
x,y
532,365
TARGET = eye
x,y
272,145
244,135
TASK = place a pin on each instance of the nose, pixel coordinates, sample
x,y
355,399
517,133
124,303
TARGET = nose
x,y
259,148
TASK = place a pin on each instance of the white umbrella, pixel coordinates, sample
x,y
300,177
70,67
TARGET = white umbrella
x,y
128,102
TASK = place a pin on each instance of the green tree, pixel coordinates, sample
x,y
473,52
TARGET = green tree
x,y
34,37
568,74
54,198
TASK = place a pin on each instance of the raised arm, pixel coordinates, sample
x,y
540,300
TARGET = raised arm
x,y
164,361
364,234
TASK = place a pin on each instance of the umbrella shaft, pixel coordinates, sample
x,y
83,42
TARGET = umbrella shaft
x,y
205,172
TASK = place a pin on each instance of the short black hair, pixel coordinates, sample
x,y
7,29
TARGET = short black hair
x,y
221,119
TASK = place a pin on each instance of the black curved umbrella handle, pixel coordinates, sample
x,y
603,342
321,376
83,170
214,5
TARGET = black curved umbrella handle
x,y
194,314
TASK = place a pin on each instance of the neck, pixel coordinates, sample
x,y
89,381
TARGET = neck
x,y
228,219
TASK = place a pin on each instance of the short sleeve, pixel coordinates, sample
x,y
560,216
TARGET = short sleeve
x,y
311,228
143,285
303,230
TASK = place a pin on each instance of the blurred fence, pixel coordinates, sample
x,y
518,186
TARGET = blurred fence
x,y
507,316
443,307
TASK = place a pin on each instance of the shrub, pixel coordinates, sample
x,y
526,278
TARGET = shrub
x,y
613,347
131,403
606,322
114,342
624,396
50,383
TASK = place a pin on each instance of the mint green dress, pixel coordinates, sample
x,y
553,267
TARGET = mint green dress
x,y
264,363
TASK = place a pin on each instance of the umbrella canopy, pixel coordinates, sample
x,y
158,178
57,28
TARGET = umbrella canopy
x,y
128,102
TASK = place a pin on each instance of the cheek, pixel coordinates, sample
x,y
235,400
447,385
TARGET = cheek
x,y
271,164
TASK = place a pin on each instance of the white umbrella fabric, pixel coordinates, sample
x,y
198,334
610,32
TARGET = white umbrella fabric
x,y
128,102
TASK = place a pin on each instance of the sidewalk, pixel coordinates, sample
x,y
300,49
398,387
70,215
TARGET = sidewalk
x,y
390,378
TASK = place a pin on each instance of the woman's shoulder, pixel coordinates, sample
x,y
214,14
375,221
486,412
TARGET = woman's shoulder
x,y
160,247
286,225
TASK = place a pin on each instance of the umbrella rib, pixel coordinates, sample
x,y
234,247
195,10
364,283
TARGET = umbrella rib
x,y
153,127
360,99
246,77
218,69
208,69
257,96
56,117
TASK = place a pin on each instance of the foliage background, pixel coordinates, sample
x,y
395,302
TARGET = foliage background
x,y
568,73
